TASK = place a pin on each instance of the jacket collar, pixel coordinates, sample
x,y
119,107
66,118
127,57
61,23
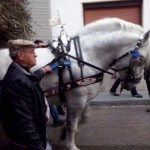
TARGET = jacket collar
x,y
19,67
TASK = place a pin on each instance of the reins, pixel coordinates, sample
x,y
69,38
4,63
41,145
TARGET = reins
x,y
119,58
124,55
88,64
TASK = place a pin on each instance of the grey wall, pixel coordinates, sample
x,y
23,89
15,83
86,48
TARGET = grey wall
x,y
40,12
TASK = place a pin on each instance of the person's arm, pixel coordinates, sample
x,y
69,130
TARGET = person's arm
x,y
41,72
48,69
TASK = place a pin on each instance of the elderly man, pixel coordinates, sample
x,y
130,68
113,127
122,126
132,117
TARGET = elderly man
x,y
23,105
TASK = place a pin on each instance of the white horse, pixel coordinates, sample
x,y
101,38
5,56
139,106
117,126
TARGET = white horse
x,y
102,42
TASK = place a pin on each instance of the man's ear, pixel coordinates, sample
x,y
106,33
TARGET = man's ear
x,y
20,55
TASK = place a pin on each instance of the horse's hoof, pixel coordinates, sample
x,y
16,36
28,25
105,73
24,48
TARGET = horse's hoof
x,y
73,148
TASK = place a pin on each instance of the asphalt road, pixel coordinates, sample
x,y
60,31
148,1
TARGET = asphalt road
x,y
125,127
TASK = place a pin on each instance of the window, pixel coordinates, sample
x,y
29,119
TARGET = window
x,y
129,10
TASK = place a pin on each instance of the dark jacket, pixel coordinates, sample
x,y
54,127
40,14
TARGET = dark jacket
x,y
147,79
23,108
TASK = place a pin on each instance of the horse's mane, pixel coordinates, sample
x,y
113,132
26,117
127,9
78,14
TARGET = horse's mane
x,y
111,25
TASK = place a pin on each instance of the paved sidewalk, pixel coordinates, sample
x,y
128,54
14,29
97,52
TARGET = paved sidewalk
x,y
105,98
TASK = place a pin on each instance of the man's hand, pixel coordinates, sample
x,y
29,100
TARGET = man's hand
x,y
47,69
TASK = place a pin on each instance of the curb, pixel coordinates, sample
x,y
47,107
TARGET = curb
x,y
106,99
125,102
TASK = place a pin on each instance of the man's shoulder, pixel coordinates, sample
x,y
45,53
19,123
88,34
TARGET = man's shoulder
x,y
14,75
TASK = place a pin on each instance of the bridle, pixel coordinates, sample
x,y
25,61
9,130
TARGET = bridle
x,y
131,74
129,69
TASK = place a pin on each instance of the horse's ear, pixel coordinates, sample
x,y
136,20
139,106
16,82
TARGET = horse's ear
x,y
146,36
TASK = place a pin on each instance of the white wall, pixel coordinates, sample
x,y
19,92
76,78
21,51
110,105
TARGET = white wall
x,y
146,16
71,14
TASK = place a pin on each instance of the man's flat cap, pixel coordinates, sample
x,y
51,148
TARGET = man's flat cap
x,y
18,44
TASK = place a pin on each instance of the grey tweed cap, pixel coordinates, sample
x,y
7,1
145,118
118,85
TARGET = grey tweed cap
x,y
17,44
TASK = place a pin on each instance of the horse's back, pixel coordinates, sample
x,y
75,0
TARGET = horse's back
x,y
5,61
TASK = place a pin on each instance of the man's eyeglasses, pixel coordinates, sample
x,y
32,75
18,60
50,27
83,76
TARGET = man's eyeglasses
x,y
41,46
29,51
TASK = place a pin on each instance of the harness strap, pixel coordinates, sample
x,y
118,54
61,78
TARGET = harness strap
x,y
77,83
88,64
61,87
117,59
78,53
131,51
71,74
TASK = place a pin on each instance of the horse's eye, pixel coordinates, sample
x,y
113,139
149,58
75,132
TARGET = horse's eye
x,y
139,61
142,60
136,61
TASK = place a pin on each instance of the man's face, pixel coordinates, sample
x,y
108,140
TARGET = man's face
x,y
27,57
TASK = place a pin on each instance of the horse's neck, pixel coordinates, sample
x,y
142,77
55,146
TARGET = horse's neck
x,y
103,48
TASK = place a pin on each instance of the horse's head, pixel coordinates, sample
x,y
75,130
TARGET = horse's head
x,y
131,68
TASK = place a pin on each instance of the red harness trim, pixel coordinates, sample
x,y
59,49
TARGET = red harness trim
x,y
78,83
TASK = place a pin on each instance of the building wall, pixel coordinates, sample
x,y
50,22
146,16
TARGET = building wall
x,y
71,14
146,17
40,12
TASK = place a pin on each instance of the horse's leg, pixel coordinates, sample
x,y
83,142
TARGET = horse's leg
x,y
76,102
73,114
85,114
